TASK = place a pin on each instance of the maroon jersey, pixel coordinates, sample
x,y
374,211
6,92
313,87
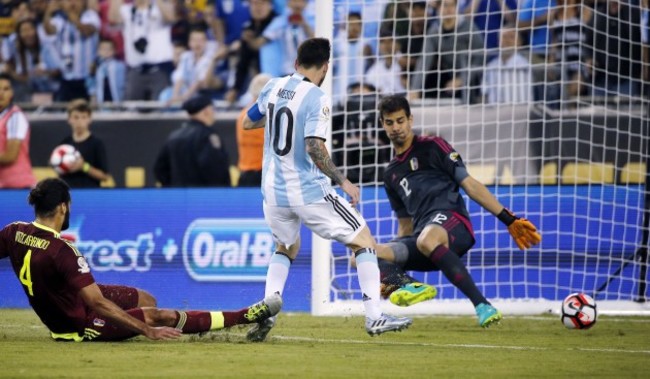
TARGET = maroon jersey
x,y
51,271
425,179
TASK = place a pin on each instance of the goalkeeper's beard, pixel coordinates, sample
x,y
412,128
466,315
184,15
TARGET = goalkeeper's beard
x,y
399,139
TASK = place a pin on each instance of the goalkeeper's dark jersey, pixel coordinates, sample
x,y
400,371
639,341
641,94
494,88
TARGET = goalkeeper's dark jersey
x,y
51,272
425,179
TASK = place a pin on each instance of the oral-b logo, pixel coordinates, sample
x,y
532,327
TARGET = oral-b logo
x,y
227,249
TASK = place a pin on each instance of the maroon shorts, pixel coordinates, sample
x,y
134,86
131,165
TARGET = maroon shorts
x,y
99,329
459,231
125,297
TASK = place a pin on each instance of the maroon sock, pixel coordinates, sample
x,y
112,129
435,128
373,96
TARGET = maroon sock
x,y
193,321
455,271
235,318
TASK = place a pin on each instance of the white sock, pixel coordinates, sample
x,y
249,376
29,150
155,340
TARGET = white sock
x,y
277,274
368,275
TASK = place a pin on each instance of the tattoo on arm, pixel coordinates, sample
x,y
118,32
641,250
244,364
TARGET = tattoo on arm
x,y
318,153
249,124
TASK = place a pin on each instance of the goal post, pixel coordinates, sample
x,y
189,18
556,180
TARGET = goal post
x,y
546,137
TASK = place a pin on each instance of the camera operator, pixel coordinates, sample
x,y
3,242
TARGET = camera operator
x,y
74,28
146,27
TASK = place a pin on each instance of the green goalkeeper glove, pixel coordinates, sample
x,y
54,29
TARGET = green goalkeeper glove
x,y
522,231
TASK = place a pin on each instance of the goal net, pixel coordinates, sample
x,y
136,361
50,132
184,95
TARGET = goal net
x,y
552,117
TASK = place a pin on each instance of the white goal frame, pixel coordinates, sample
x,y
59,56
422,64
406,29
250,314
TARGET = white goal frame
x,y
323,304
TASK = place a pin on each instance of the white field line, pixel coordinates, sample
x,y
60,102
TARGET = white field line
x,y
447,345
543,318
419,344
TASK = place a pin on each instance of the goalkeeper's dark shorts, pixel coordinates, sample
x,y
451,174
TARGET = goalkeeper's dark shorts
x,y
459,232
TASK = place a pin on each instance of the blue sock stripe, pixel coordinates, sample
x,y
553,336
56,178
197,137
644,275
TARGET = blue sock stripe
x,y
280,258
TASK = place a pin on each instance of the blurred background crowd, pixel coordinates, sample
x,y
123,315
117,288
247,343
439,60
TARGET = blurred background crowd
x,y
169,50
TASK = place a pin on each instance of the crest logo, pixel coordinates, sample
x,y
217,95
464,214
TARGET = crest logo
x,y
325,113
83,265
215,141
414,164
454,156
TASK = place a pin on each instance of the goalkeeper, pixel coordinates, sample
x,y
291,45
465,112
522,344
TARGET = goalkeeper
x,y
434,230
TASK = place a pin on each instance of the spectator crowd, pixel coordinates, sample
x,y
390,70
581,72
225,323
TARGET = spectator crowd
x,y
494,51
472,50
467,51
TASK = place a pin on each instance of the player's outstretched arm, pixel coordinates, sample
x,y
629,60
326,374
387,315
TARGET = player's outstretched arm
x,y
522,231
93,297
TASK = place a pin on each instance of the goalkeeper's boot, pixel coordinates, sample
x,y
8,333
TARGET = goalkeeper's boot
x,y
487,315
412,293
264,309
386,323
259,331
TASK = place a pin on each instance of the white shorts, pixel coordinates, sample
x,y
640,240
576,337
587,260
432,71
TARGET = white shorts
x,y
332,218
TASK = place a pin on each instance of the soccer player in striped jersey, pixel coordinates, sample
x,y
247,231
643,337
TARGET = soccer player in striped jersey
x,y
434,229
296,174
63,293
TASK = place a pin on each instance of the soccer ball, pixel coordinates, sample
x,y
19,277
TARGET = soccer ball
x,y
579,311
63,157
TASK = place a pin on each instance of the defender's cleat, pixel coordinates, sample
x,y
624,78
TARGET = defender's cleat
x,y
259,331
412,293
487,315
386,323
264,309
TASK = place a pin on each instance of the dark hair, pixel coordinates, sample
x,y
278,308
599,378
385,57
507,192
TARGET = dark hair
x,y
354,15
79,105
392,104
5,76
369,87
419,4
47,195
198,28
314,52
22,48
107,40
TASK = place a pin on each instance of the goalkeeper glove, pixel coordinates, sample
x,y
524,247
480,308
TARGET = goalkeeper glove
x,y
522,231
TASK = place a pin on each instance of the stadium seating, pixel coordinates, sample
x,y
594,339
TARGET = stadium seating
x,y
484,173
41,173
134,177
548,174
633,172
234,175
586,173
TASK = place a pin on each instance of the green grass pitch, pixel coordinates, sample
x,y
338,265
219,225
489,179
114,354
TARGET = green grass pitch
x,y
302,346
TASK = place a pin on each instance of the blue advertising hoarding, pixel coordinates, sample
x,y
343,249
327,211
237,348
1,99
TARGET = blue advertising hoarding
x,y
209,248
191,248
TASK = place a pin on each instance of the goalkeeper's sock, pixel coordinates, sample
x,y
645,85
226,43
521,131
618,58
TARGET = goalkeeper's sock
x,y
277,274
392,274
368,275
417,261
455,271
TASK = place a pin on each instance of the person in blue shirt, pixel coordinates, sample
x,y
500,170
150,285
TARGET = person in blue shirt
x,y
110,74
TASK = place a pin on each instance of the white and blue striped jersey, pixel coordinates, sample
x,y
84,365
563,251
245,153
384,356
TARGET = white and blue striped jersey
x,y
77,52
295,109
